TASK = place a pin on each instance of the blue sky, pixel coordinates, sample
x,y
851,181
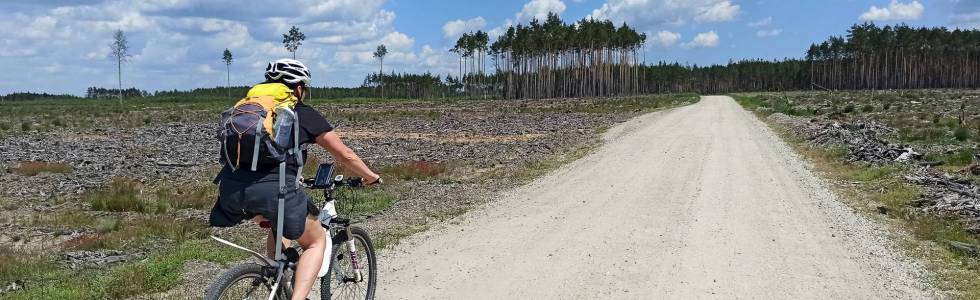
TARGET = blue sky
x,y
62,46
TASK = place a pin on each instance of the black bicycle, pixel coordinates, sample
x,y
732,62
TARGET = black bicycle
x,y
349,270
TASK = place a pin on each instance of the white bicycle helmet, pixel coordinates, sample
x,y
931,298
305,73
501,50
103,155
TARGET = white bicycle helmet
x,y
289,71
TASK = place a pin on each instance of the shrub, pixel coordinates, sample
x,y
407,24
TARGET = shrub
x,y
109,224
25,126
868,108
189,196
962,157
120,195
849,108
18,264
416,170
31,168
961,133
4,126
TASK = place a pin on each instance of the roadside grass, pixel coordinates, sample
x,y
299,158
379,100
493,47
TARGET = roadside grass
x,y
365,201
162,272
65,219
873,190
124,195
881,193
18,264
416,170
767,105
389,238
534,169
159,272
122,234
32,168
643,103
960,158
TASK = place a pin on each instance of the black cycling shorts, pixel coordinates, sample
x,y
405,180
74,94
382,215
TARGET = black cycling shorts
x,y
238,201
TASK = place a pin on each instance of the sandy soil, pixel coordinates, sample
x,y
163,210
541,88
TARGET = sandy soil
x,y
700,202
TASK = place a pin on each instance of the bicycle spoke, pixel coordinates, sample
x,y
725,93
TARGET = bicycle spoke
x,y
238,289
344,287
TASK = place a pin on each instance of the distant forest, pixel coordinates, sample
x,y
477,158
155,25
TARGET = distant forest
x,y
590,58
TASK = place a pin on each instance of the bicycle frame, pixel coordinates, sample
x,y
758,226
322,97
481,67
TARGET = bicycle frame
x,y
281,262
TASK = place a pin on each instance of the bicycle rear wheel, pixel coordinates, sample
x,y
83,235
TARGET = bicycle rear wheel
x,y
340,281
245,281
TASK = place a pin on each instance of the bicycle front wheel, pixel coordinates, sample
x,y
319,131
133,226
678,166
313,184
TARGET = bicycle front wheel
x,y
245,281
341,282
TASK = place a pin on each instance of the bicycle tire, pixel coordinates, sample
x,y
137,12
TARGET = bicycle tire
x,y
218,288
372,265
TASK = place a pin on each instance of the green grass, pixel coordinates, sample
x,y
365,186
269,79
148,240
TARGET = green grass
x,y
64,219
119,195
416,170
769,104
123,195
961,133
645,103
960,158
32,168
135,232
160,272
19,264
386,239
535,169
368,200
869,174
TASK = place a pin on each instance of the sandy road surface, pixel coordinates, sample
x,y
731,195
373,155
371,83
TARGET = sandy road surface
x,y
700,202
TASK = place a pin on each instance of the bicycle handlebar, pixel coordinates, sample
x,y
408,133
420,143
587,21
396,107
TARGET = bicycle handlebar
x,y
354,182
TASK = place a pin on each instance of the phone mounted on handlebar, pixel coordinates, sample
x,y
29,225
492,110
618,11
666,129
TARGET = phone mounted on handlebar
x,y
325,179
324,176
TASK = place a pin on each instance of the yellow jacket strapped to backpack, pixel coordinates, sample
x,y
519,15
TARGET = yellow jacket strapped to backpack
x,y
270,96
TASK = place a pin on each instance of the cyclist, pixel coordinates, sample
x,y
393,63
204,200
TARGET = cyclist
x,y
245,194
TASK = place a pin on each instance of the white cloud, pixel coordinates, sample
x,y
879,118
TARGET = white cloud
x,y
455,28
205,68
397,41
539,9
177,44
718,12
761,23
769,32
665,38
704,40
896,11
652,14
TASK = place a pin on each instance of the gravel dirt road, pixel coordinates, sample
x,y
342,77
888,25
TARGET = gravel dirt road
x,y
699,202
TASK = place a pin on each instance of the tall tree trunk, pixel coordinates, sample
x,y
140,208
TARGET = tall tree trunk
x,y
119,77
